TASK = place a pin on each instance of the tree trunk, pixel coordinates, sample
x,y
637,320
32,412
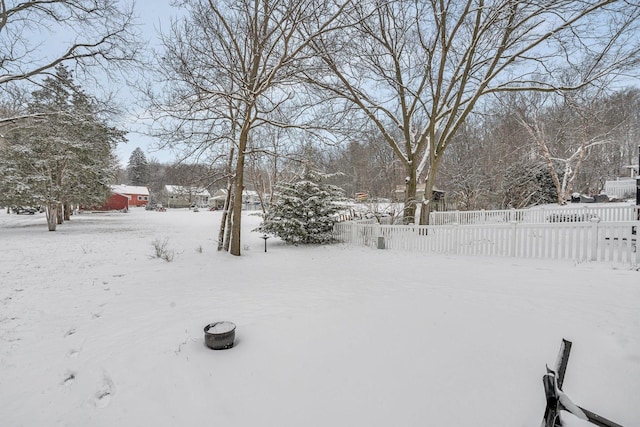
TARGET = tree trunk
x,y
429,184
225,213
52,216
227,236
236,215
237,193
59,213
426,204
411,186
227,204
67,211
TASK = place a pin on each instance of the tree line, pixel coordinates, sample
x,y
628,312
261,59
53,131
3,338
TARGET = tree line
x,y
503,157
243,77
250,85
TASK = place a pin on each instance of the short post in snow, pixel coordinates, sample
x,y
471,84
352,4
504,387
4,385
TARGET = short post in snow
x,y
265,237
558,401
638,197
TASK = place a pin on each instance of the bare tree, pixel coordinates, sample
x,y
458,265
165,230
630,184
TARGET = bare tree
x,y
98,32
621,115
274,150
417,69
564,128
230,66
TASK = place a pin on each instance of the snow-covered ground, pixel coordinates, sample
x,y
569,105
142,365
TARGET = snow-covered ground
x,y
95,331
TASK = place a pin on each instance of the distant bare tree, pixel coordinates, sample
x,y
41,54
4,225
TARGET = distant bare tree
x,y
365,164
275,150
620,114
417,69
565,128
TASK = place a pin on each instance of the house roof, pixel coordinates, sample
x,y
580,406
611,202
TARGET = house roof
x,y
419,189
179,189
130,189
223,192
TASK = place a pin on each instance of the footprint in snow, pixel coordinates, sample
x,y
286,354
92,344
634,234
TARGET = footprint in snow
x,y
70,332
103,396
69,378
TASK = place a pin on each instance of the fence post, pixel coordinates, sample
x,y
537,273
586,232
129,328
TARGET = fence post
x,y
380,236
514,238
594,238
354,233
456,236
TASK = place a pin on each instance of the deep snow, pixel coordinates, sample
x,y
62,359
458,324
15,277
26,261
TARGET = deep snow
x,y
95,331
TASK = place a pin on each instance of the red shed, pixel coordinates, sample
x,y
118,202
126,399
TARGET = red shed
x,y
117,202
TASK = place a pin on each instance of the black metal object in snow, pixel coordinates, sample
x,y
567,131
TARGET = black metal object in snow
x,y
265,237
220,335
638,196
558,401
638,186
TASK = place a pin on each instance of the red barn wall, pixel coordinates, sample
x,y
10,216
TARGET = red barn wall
x,y
117,202
135,202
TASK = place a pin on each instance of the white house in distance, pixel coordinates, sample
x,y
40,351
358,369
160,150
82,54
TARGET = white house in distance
x,y
250,199
178,196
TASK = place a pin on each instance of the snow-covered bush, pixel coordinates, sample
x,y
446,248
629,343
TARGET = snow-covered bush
x,y
305,211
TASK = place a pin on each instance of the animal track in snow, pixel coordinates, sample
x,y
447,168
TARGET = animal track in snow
x,y
70,332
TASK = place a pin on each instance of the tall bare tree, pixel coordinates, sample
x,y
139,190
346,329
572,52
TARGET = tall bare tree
x,y
230,66
417,69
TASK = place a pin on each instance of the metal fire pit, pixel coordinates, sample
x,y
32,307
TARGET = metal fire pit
x,y
219,335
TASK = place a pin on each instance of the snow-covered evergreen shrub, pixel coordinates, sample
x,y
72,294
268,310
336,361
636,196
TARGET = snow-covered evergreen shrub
x,y
305,211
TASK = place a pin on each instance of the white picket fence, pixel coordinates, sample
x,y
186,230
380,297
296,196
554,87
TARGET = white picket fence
x,y
581,241
620,188
582,213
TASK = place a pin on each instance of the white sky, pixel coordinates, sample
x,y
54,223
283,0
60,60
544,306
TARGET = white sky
x,y
154,16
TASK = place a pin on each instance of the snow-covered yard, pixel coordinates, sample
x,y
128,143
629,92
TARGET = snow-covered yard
x,y
94,331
